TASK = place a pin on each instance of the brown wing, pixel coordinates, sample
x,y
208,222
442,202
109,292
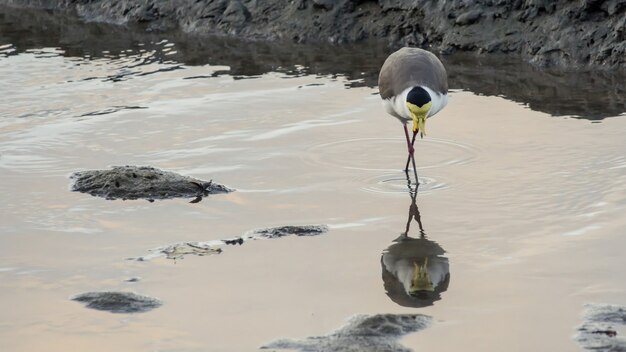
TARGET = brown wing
x,y
409,67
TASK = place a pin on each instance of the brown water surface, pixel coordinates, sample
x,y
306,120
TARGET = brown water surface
x,y
528,206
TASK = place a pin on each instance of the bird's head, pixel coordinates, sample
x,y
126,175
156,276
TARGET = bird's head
x,y
419,103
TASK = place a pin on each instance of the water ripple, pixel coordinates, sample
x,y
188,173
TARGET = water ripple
x,y
374,154
391,183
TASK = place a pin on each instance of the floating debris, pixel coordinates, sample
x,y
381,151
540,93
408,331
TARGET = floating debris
x,y
142,182
363,333
181,249
599,330
133,279
118,302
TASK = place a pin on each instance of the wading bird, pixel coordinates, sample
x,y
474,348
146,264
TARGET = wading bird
x,y
414,86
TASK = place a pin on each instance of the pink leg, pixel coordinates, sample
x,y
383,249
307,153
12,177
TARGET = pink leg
x,y
408,141
411,153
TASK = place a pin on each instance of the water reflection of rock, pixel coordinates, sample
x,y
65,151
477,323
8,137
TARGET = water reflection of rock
x,y
590,95
414,270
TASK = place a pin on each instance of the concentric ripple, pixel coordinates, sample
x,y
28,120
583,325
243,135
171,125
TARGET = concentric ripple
x,y
397,183
387,154
381,160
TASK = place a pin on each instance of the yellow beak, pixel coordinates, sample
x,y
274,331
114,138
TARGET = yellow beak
x,y
419,124
419,114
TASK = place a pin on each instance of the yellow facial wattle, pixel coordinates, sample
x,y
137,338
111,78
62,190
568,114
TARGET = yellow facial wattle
x,y
419,114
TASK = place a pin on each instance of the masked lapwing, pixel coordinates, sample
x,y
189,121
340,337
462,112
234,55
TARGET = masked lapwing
x,y
414,86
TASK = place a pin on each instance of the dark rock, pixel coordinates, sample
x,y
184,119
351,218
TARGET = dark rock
x,y
324,4
236,12
468,17
142,182
365,333
118,302
599,330
234,241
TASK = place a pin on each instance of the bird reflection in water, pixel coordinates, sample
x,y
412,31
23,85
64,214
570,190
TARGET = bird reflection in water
x,y
415,272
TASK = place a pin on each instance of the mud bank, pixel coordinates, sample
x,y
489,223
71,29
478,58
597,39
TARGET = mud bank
x,y
592,95
379,332
142,182
561,33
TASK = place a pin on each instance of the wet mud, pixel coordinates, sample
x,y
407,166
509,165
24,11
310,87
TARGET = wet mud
x,y
599,331
142,182
560,33
373,333
180,250
282,231
586,94
118,302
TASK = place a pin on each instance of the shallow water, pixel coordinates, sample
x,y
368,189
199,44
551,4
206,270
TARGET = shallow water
x,y
525,194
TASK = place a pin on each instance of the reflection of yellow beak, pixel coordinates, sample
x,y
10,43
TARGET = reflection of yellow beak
x,y
421,279
419,114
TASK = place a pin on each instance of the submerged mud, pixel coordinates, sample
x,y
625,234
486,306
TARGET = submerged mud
x,y
559,33
142,182
374,333
181,249
282,231
599,331
118,302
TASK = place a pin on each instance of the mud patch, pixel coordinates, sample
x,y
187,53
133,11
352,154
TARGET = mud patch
x,y
142,182
379,332
117,302
181,249
599,331
277,232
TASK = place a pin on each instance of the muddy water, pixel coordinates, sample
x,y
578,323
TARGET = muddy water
x,y
527,203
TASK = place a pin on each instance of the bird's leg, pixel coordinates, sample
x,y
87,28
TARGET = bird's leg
x,y
408,160
409,145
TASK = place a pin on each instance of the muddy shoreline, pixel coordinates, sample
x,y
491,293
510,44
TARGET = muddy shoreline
x,y
563,34
588,94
